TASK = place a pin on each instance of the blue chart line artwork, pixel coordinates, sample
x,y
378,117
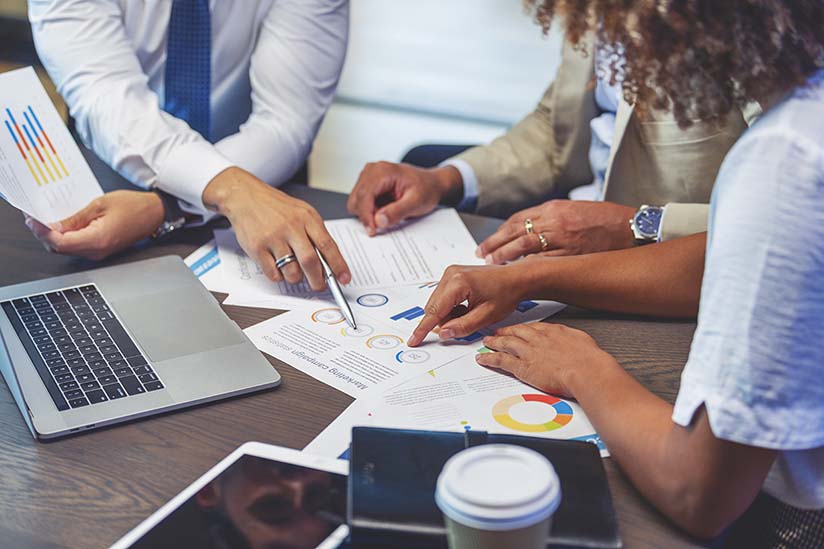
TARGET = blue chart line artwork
x,y
409,314
475,336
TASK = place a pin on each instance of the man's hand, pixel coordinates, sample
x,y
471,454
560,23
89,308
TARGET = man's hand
x,y
388,193
490,294
107,225
270,224
570,227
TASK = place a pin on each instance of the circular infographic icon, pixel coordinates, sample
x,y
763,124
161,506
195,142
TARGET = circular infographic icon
x,y
331,315
384,342
372,300
413,356
502,412
362,330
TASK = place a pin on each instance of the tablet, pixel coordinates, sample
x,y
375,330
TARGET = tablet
x,y
258,496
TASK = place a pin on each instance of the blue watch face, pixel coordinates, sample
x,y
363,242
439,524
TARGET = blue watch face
x,y
648,222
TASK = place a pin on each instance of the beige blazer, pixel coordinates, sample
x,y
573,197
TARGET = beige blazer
x,y
652,161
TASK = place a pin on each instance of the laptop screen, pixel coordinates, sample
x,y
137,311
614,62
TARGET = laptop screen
x,y
256,502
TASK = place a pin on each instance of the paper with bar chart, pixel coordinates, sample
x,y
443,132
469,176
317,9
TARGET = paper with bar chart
x,y
461,396
42,171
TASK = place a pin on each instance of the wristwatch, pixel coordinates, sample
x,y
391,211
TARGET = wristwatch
x,y
646,225
174,217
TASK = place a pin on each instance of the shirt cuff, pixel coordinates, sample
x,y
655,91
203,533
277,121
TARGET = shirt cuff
x,y
470,183
187,171
680,220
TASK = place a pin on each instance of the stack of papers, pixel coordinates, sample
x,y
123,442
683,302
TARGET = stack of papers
x,y
437,385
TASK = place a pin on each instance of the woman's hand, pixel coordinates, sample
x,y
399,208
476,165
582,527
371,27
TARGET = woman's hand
x,y
550,357
570,227
109,224
469,298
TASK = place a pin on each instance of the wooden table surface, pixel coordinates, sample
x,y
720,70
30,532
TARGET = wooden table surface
x,y
90,489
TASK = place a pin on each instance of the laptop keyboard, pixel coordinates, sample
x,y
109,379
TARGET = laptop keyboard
x,y
79,348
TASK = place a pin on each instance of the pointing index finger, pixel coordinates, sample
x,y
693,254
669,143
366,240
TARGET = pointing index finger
x,y
445,298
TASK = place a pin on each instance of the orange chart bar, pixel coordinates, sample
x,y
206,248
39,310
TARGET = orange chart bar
x,y
46,137
22,153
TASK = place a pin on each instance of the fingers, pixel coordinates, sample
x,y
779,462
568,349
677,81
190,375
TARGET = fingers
x,y
501,361
266,261
324,242
309,261
407,205
291,271
375,180
521,246
439,307
469,323
506,233
82,218
511,344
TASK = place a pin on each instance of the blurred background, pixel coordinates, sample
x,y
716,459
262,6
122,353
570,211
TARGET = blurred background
x,y
427,71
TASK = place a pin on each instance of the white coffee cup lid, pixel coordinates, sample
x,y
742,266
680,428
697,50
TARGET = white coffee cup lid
x,y
498,487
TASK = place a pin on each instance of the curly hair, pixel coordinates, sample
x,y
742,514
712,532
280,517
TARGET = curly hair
x,y
698,58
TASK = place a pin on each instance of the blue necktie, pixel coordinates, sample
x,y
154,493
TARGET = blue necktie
x,y
189,63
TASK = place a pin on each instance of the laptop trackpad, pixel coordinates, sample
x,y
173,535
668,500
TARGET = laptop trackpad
x,y
178,323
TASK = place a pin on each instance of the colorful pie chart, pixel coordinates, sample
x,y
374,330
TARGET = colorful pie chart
x,y
563,413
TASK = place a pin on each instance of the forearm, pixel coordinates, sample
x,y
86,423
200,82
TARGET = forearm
x,y
701,483
659,280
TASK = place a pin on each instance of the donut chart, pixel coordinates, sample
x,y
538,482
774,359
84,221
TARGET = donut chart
x,y
372,300
384,342
563,413
330,316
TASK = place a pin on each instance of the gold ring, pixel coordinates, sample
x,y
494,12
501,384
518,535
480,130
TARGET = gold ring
x,y
529,226
544,242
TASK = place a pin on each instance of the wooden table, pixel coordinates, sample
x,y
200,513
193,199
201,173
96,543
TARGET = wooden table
x,y
88,490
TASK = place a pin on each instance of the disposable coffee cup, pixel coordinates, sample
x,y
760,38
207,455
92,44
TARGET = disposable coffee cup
x,y
498,496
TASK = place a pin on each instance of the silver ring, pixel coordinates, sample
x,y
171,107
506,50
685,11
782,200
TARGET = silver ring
x,y
285,260
544,242
530,228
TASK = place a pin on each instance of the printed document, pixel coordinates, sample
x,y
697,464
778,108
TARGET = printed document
x,y
417,252
461,396
42,171
317,340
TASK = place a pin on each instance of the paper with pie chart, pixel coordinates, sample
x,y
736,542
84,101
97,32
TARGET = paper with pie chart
x,y
461,396
318,341
42,171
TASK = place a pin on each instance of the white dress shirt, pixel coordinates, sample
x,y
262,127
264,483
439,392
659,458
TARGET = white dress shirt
x,y
275,67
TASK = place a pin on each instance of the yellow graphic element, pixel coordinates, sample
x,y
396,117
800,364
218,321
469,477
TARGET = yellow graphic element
x,y
51,161
34,175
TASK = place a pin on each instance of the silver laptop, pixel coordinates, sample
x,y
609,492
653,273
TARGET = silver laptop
x,y
100,347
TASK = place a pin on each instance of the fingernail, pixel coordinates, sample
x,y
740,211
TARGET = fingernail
x,y
488,259
446,333
57,226
345,278
479,252
382,220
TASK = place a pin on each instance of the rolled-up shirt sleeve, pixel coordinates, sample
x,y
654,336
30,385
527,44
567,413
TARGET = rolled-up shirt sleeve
x,y
116,113
294,72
